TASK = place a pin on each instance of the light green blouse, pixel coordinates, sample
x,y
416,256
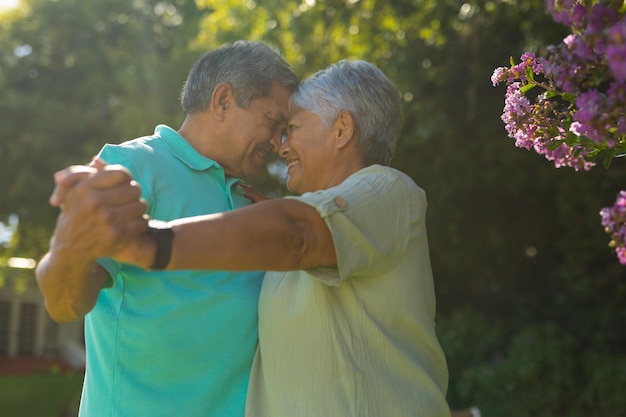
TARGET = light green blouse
x,y
358,340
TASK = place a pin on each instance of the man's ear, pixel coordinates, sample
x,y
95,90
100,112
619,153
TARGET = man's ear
x,y
345,129
221,99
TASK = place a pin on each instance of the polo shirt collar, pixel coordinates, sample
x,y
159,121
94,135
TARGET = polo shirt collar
x,y
181,149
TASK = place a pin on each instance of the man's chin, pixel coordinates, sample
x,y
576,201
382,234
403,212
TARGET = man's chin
x,y
251,172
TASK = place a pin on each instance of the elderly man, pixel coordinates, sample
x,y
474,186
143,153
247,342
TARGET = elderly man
x,y
347,318
173,343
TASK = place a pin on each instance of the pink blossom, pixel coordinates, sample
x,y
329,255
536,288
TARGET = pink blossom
x,y
591,116
580,114
614,220
600,17
616,52
499,75
561,11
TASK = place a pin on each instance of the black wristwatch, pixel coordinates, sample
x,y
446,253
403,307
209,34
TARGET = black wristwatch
x,y
163,235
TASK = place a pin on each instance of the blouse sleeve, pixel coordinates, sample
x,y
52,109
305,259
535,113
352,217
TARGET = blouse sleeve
x,y
371,217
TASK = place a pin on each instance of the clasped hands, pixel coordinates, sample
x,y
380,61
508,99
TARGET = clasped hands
x,y
102,214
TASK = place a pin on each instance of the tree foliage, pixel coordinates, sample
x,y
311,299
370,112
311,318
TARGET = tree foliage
x,y
526,285
75,75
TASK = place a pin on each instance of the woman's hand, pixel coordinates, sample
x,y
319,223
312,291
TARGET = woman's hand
x,y
252,193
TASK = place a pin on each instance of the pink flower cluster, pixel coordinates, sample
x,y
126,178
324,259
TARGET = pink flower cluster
x,y
578,116
614,222
541,125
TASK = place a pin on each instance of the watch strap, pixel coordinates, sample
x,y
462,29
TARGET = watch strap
x,y
163,235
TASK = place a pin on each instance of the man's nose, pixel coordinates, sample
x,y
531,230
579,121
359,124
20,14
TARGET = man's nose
x,y
275,141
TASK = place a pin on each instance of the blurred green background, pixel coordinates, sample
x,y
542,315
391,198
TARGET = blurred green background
x,y
530,298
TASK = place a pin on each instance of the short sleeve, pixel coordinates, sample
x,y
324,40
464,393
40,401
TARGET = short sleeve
x,y
116,154
112,269
370,217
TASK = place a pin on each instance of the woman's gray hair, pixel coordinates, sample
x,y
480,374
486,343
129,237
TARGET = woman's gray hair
x,y
249,67
364,91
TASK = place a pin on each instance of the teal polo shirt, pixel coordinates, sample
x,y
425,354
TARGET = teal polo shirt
x,y
171,343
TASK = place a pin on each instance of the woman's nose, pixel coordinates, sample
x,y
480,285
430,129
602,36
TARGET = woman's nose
x,y
283,149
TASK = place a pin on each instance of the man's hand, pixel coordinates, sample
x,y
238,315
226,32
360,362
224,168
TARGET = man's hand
x,y
67,177
101,211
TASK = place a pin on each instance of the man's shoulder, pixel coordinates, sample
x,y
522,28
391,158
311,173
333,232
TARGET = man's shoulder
x,y
139,144
146,142
143,148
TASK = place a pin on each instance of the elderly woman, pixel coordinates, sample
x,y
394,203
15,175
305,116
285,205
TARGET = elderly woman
x,y
347,311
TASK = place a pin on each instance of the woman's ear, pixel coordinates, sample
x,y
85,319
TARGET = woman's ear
x,y
221,99
345,129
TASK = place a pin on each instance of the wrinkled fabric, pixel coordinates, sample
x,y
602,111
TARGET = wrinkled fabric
x,y
357,340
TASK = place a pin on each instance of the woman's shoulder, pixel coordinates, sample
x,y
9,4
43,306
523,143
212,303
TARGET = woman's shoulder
x,y
386,178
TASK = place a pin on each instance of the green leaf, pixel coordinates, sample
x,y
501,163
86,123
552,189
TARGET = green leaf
x,y
593,154
608,158
553,131
571,139
578,151
555,144
586,141
527,87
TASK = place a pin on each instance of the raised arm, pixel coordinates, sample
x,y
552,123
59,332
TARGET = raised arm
x,y
100,210
280,235
276,235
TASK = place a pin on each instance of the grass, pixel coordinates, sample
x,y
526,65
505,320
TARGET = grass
x,y
40,395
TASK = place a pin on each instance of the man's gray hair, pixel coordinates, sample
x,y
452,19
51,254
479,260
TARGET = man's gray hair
x,y
249,67
364,91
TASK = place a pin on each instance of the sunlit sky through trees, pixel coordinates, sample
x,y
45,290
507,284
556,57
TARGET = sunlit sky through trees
x,y
7,4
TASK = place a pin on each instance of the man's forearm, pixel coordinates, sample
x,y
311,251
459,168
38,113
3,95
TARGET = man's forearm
x,y
70,286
